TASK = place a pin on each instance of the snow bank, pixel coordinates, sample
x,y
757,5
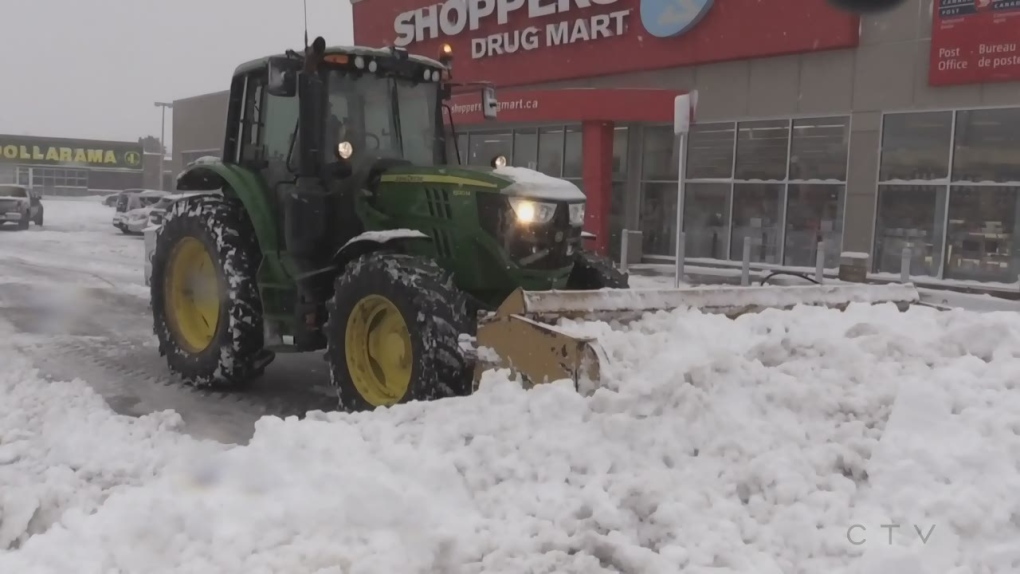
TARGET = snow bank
x,y
63,450
747,446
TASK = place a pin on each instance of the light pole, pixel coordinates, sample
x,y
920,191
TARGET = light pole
x,y
162,141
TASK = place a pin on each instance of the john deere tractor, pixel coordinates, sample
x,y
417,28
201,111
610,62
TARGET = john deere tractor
x,y
335,221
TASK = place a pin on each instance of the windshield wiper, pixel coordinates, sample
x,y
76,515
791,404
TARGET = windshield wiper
x,y
396,118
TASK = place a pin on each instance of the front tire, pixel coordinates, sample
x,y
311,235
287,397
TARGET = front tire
x,y
24,221
592,271
393,333
211,336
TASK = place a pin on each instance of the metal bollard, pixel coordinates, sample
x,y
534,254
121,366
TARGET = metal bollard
x,y
624,253
745,268
678,275
820,263
905,265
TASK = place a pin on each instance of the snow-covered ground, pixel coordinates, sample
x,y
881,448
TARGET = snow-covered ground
x,y
79,240
806,441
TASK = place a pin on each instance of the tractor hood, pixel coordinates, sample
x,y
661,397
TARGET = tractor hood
x,y
516,182
537,185
511,181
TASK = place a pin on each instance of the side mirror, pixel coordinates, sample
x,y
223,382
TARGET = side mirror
x,y
282,81
490,105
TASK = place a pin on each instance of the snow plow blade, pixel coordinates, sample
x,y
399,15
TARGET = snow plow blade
x,y
520,336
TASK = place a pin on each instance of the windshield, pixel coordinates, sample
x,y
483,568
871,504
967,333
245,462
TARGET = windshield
x,y
388,117
12,192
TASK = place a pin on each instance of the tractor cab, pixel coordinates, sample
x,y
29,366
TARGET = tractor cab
x,y
323,126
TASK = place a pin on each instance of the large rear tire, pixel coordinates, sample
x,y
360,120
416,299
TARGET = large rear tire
x,y
592,271
206,310
393,333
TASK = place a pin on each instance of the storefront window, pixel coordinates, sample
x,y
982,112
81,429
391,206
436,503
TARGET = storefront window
x,y
550,151
915,146
462,148
573,152
525,149
619,153
8,174
54,179
819,148
762,150
706,218
757,209
731,204
960,232
910,216
987,147
617,219
710,151
814,214
660,162
487,145
981,244
658,218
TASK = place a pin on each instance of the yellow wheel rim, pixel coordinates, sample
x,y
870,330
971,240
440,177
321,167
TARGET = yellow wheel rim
x,y
192,295
378,348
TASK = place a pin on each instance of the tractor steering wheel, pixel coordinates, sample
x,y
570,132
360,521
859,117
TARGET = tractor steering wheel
x,y
375,139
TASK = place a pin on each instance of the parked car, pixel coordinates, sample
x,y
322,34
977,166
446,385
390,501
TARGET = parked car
x,y
128,206
110,200
21,205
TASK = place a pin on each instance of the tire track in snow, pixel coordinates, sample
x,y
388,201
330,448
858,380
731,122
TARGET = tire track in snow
x,y
105,337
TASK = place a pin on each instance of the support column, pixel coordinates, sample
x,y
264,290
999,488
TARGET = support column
x,y
597,176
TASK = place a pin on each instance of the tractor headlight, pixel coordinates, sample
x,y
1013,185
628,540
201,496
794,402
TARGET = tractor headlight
x,y
576,214
529,211
344,150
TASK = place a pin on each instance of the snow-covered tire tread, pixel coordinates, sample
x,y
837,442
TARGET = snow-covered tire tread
x,y
222,224
436,311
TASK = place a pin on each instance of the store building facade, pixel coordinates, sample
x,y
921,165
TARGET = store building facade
x,y
895,129
868,134
62,166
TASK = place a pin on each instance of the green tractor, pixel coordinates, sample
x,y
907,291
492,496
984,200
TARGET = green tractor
x,y
335,221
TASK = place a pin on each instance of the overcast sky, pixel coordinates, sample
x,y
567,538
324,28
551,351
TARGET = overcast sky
x,y
93,68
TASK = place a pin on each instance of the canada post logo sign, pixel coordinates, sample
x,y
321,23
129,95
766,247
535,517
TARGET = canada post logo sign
x,y
669,18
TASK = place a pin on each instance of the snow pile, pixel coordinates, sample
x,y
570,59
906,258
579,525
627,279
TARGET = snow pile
x,y
62,449
746,446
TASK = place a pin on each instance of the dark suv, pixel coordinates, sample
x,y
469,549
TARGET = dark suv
x,y
21,205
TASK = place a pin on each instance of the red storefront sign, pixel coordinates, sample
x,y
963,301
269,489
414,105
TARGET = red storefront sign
x,y
974,41
515,42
